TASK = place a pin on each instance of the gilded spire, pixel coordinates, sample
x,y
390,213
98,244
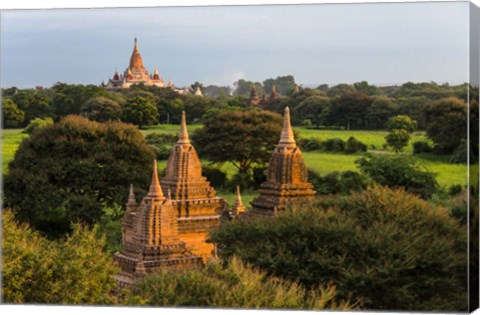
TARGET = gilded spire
x,y
286,137
183,136
135,47
238,207
155,189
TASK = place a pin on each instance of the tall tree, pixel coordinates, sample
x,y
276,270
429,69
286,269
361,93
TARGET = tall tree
x,y
11,115
447,123
70,170
244,138
101,109
140,111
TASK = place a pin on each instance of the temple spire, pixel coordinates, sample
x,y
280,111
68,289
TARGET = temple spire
x,y
286,137
155,189
135,47
131,198
183,136
238,207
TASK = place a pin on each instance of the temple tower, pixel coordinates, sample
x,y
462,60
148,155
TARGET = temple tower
x,y
273,94
287,177
198,209
254,100
150,237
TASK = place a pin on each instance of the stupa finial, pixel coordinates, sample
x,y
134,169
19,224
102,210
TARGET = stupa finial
x,y
155,189
286,137
183,136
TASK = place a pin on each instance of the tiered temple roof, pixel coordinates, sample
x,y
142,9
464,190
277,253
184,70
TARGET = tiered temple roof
x,y
195,201
287,177
150,237
254,100
135,74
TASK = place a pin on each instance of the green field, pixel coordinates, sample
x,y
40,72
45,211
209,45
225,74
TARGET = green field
x,y
11,139
323,163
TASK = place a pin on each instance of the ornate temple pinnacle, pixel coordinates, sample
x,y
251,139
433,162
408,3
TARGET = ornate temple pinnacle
x,y
135,46
155,189
183,136
238,207
286,137
131,197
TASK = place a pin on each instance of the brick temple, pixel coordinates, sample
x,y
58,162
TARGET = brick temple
x,y
196,203
287,176
150,237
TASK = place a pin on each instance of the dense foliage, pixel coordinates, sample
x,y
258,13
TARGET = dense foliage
x,y
38,270
68,171
244,138
235,285
387,247
399,171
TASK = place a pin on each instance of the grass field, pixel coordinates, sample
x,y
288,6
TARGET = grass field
x,y
323,163
11,139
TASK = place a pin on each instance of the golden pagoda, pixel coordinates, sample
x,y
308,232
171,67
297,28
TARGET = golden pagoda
x,y
197,207
238,208
150,237
287,177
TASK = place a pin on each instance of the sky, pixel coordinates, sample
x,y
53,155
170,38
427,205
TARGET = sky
x,y
323,43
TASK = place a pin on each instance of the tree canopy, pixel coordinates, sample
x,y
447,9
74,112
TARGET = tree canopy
x,y
244,138
68,171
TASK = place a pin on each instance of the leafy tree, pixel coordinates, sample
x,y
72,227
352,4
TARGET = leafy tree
x,y
350,110
398,139
400,128
367,89
386,247
284,84
140,111
101,109
381,110
67,99
38,270
37,123
401,122
35,104
399,171
314,108
341,89
244,138
447,123
12,116
413,107
70,170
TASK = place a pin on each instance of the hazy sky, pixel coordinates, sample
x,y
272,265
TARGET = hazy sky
x,y
330,43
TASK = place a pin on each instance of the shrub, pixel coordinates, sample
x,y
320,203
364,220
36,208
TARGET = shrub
x,y
422,147
37,123
310,144
387,247
353,146
455,190
334,145
215,176
335,182
307,123
38,270
460,155
232,285
398,139
399,171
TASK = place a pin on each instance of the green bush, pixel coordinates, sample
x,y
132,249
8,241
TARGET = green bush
x,y
334,145
353,146
460,155
71,271
310,144
232,285
399,171
37,123
386,247
216,177
422,147
335,182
